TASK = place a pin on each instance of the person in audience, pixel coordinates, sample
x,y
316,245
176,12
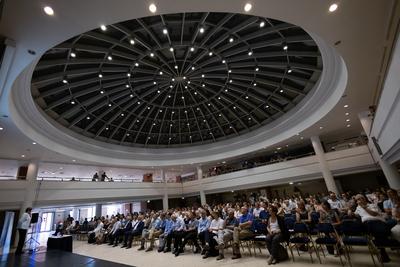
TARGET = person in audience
x,y
226,234
276,232
177,235
124,233
329,215
175,225
137,229
156,231
396,216
167,231
95,177
216,225
302,214
146,231
257,210
334,202
203,225
190,233
96,232
115,231
243,230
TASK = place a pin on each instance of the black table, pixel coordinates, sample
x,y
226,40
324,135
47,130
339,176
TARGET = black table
x,y
60,243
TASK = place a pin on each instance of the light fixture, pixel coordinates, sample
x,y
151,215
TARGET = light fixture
x,y
266,106
223,61
107,128
161,73
247,97
257,69
184,77
346,106
109,104
186,87
229,71
72,102
347,114
74,160
192,49
171,86
33,143
201,30
154,82
64,81
109,57
290,182
230,81
100,75
203,85
250,53
262,24
169,96
152,8
333,7
320,127
137,64
231,40
281,91
152,54
176,67
128,74
158,91
173,79
22,156
103,27
171,49
132,42
48,10
101,92
348,125
183,97
138,102
73,53
127,85
188,82
165,31
210,53
1,128
254,84
193,68
226,90
88,118
130,95
202,76
289,70
285,47
248,7
348,120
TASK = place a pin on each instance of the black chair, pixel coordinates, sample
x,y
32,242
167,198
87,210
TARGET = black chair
x,y
380,237
328,237
354,234
301,236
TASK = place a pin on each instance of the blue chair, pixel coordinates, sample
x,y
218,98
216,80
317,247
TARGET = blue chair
x,y
354,234
301,236
328,237
380,237
289,223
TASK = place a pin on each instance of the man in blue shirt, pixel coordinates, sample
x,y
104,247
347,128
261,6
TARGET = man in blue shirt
x,y
167,231
242,231
204,224
146,232
156,231
189,233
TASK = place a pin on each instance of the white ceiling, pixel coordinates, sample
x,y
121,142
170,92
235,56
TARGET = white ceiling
x,y
360,26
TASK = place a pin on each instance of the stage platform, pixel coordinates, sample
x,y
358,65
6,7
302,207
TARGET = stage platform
x,y
54,258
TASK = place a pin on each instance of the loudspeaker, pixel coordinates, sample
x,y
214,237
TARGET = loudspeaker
x,y
34,217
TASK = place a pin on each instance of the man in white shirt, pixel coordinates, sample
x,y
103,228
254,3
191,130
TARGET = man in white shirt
x,y
23,226
367,211
257,209
335,203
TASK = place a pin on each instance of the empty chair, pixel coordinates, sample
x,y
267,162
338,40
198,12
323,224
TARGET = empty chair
x,y
327,237
300,236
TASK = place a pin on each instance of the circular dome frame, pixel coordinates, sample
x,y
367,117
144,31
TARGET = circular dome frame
x,y
165,83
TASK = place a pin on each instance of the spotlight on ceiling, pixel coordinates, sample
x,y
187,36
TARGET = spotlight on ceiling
x,y
193,68
333,7
152,8
48,10
262,24
73,53
257,69
231,39
165,31
248,7
132,42
152,54
176,67
250,53
210,54
65,80
192,49
161,73
171,49
223,61
201,30
109,57
285,47
100,75
72,102
103,27
289,70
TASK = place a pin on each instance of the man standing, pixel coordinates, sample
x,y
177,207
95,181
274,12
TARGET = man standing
x,y
23,226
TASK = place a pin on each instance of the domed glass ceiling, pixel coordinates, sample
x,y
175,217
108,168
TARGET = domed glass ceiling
x,y
177,79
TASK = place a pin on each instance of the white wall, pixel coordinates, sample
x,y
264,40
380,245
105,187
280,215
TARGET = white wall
x,y
386,125
55,193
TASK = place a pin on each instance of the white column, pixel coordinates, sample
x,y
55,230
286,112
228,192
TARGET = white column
x,y
391,173
326,172
200,177
165,197
31,188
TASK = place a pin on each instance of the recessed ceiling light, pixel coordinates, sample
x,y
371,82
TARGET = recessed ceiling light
x,y
100,75
138,102
161,73
1,128
248,7
254,84
176,67
333,7
301,137
64,81
281,91
247,97
202,76
348,125
193,67
154,82
346,106
289,70
267,106
72,102
186,87
188,82
33,143
279,148
348,120
109,58
257,69
132,42
347,114
171,86
229,71
165,31
128,74
210,54
195,93
226,90
73,54
152,8
109,104
171,49
250,53
74,160
127,85
291,183
152,54
88,118
23,156
158,91
230,81
131,95
201,30
203,85
223,61
103,27
148,107
137,64
48,10
320,127
231,40
192,49
262,24
183,97
101,92
169,96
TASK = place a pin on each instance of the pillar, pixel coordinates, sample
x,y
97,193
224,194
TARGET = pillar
x,y
98,210
165,197
200,177
326,172
31,188
391,173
